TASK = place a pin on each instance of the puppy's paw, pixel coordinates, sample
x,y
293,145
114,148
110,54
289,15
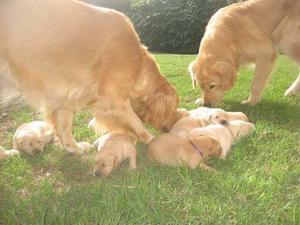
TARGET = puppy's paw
x,y
146,137
12,153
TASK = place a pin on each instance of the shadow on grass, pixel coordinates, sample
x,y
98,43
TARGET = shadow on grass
x,y
283,114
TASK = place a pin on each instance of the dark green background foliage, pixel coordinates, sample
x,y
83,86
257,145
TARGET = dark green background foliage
x,y
174,26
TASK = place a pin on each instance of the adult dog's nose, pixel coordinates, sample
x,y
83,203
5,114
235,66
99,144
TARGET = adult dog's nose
x,y
96,173
207,104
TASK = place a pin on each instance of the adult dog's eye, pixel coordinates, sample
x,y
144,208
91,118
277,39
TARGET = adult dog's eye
x,y
212,86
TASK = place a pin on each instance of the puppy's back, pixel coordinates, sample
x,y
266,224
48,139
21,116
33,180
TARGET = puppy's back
x,y
172,150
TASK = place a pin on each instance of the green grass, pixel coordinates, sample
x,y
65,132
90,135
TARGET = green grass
x,y
259,182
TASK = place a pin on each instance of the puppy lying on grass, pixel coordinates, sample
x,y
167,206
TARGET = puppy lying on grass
x,y
202,117
32,137
4,154
113,149
225,134
172,150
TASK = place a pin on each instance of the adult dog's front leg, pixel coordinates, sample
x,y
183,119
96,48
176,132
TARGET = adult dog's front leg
x,y
62,120
120,116
262,72
295,88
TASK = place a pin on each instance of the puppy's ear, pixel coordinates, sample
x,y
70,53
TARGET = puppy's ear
x,y
227,74
208,145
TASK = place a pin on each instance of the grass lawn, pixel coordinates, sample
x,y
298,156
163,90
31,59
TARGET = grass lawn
x,y
259,183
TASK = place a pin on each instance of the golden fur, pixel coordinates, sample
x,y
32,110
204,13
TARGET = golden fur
x,y
202,117
32,137
249,32
112,150
4,154
67,55
226,134
172,150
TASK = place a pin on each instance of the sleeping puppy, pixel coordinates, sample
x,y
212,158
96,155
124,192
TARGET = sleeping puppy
x,y
203,116
32,137
113,149
171,150
216,115
185,125
226,134
4,154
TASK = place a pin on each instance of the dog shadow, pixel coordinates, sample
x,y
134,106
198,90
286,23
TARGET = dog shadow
x,y
282,114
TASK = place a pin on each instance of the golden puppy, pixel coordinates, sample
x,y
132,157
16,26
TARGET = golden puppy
x,y
32,137
226,135
185,125
172,150
63,63
113,149
4,154
242,33
203,116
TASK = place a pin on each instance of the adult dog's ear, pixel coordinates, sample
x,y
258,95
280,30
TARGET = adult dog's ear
x,y
192,72
227,74
162,107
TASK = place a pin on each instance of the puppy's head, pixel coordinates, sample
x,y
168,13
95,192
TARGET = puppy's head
x,y
236,116
31,143
240,128
207,144
218,116
105,164
214,77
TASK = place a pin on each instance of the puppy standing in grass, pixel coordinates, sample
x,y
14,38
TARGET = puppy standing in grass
x,y
112,149
32,137
249,32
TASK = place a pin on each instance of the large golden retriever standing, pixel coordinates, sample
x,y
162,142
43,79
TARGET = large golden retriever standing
x,y
66,55
249,32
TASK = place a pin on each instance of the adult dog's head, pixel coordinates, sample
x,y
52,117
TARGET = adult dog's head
x,y
155,100
214,76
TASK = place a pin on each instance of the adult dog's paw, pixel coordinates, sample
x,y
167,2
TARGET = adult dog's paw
x,y
250,102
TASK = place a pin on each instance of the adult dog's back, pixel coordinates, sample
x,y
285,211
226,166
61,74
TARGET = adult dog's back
x,y
66,55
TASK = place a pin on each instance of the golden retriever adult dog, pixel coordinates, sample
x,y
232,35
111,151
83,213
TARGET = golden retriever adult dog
x,y
66,55
249,32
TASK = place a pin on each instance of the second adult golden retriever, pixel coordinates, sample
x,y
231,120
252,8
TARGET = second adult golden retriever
x,y
249,32
67,55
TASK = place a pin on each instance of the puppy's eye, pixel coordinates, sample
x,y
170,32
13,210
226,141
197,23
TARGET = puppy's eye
x,y
212,86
